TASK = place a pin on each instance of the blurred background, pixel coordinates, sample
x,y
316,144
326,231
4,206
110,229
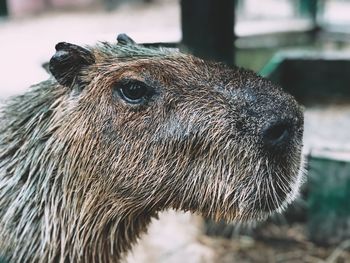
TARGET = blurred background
x,y
304,45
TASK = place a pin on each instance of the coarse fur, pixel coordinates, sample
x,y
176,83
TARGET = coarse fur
x,y
82,171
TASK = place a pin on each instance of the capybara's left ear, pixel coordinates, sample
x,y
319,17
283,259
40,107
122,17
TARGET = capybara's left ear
x,y
67,62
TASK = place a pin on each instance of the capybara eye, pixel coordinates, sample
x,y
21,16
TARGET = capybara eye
x,y
134,92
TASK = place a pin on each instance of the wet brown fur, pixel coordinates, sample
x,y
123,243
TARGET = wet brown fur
x,y
82,172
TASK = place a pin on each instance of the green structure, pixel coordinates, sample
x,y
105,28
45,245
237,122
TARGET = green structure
x,y
329,200
311,76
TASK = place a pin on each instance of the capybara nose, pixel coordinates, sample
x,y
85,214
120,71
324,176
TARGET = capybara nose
x,y
277,134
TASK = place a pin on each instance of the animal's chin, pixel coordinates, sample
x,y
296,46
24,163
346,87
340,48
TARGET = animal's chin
x,y
252,212
275,199
263,202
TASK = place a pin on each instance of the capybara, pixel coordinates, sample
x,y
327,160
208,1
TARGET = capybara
x,y
121,132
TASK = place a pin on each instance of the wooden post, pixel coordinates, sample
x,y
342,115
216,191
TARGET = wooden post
x,y
3,8
208,29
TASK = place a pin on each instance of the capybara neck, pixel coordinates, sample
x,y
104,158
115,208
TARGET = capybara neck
x,y
43,195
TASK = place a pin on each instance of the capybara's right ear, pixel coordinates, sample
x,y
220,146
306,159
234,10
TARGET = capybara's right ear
x,y
67,62
124,39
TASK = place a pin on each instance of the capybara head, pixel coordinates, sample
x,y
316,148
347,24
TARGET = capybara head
x,y
123,131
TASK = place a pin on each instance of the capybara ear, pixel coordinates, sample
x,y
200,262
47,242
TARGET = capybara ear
x,y
67,62
124,39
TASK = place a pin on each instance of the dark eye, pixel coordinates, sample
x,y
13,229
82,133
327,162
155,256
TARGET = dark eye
x,y
134,92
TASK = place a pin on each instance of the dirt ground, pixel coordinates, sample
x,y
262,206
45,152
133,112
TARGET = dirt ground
x,y
179,237
279,244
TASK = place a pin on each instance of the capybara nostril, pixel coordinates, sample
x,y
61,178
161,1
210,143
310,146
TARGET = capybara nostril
x,y
276,134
